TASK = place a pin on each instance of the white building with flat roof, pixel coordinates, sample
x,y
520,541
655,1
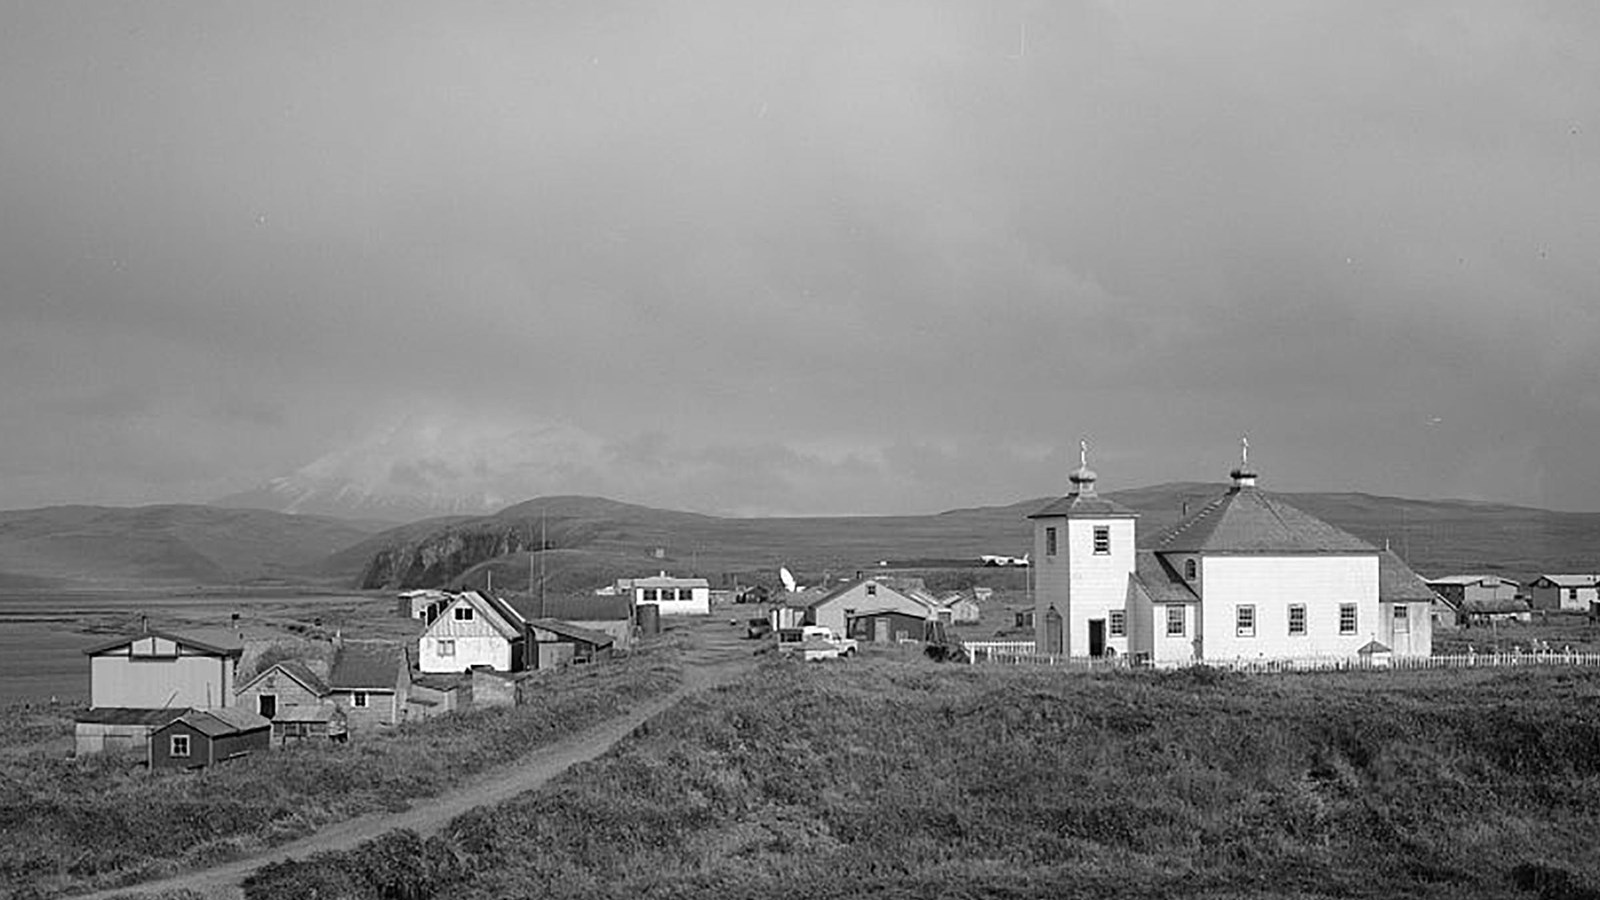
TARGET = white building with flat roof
x,y
673,596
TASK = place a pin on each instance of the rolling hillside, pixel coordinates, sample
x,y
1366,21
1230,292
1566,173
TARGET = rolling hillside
x,y
113,547
591,540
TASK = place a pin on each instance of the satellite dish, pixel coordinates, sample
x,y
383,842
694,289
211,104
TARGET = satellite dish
x,y
788,579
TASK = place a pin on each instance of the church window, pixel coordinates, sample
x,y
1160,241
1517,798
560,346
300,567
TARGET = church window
x,y
1102,539
1297,619
1176,621
1244,620
1050,541
1190,569
1119,623
1347,618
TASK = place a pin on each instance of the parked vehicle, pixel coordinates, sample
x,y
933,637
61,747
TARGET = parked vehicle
x,y
815,642
758,627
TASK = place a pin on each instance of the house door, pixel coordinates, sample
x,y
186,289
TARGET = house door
x,y
880,631
1097,637
1052,631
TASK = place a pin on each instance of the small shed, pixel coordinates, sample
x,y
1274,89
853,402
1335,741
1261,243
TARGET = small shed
x,y
116,729
557,643
207,737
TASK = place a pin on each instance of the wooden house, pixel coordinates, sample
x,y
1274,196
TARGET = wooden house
x,y
473,629
283,684
207,737
836,607
418,604
1461,590
369,683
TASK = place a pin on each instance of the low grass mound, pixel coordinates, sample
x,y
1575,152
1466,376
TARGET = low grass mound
x,y
104,820
907,779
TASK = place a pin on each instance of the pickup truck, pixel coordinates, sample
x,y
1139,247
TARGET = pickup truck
x,y
815,642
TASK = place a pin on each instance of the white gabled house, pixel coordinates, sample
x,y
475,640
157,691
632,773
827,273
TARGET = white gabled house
x,y
1247,577
473,630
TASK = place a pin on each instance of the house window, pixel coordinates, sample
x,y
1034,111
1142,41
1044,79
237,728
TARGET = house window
x,y
1190,569
180,745
1102,539
1175,621
463,614
1347,618
872,590
358,699
1119,623
649,595
1244,621
685,593
447,648
1572,593
267,705
1050,541
1297,619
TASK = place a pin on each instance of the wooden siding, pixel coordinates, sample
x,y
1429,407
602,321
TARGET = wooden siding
x,y
118,679
1080,584
1272,584
287,691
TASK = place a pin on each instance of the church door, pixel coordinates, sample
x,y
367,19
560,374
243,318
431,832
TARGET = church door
x,y
1097,637
1052,631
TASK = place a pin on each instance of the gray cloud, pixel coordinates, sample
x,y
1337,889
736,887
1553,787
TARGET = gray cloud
x,y
824,258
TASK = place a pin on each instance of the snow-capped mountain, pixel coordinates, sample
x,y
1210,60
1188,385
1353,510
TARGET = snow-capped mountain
x,y
437,465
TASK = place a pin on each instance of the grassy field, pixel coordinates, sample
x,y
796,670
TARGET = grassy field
x,y
104,820
896,777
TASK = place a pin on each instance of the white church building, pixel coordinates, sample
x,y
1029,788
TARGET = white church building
x,y
1247,577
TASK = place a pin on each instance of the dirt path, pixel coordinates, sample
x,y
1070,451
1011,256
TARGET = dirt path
x,y
715,657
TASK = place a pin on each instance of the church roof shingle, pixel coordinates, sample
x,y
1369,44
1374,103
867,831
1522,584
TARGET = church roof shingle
x,y
1247,520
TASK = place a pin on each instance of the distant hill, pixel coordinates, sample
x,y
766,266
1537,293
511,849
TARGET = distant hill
x,y
111,547
591,540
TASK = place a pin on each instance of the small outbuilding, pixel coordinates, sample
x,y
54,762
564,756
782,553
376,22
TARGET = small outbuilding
x,y
886,626
117,729
206,737
557,643
1564,592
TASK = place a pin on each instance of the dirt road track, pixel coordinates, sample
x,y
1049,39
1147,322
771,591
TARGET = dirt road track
x,y
714,657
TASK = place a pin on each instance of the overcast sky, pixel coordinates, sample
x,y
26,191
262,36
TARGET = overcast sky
x,y
807,257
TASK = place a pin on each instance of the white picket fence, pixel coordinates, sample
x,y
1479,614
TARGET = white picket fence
x,y
1023,653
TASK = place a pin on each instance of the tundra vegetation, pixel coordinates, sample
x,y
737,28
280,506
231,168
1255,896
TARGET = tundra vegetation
x,y
104,820
892,777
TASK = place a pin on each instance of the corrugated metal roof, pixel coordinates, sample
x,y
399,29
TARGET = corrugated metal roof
x,y
363,667
1397,583
1247,520
576,609
221,722
124,715
567,629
